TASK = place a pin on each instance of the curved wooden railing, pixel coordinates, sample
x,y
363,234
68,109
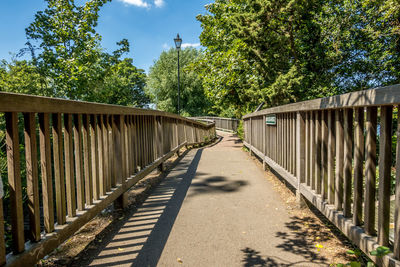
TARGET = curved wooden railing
x,y
85,156
328,149
224,124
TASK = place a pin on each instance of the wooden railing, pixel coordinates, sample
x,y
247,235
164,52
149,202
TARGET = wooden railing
x,y
225,124
328,150
85,156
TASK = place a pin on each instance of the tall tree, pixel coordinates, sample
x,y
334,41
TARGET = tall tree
x,y
162,83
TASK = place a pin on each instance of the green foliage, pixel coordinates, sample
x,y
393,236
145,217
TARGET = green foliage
x,y
286,51
379,253
162,83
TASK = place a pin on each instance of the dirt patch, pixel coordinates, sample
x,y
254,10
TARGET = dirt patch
x,y
77,249
310,233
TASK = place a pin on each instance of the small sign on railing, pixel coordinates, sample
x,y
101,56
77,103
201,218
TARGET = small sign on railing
x,y
270,119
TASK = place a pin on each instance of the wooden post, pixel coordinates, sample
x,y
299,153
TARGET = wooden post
x,y
324,155
318,176
251,135
300,154
331,156
264,143
339,161
80,187
32,180
59,168
358,165
312,150
87,160
14,179
396,249
370,171
347,165
385,163
69,166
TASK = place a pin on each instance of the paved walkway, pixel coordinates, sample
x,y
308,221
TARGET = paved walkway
x,y
216,208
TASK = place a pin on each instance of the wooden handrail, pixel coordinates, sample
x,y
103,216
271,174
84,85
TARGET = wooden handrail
x,y
225,124
328,150
389,95
86,155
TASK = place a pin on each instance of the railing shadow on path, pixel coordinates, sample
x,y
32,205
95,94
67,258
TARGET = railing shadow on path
x,y
139,239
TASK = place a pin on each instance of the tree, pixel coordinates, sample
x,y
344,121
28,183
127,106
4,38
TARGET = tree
x,y
264,51
162,83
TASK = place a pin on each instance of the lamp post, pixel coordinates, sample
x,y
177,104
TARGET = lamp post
x,y
178,42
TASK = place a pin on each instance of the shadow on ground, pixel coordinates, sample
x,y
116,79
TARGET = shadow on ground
x,y
295,240
138,236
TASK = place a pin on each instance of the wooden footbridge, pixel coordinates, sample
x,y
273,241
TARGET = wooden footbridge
x,y
69,160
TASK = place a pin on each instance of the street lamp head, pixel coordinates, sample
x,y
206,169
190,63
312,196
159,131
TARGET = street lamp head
x,y
178,42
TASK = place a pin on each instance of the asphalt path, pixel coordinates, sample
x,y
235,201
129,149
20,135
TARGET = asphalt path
x,y
215,208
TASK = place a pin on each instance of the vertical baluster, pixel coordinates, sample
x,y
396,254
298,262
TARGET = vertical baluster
x,y
47,180
100,153
14,181
324,155
347,165
69,166
370,171
129,145
385,163
32,182
110,129
317,176
358,165
396,249
312,150
80,186
2,241
59,168
331,156
106,159
95,156
87,160
339,160
307,148
117,149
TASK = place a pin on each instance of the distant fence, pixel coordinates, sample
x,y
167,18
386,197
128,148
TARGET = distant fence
x,y
328,150
85,156
225,124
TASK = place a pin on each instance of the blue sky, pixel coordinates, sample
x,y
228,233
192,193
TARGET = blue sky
x,y
149,25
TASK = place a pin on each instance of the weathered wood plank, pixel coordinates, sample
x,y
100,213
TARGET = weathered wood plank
x,y
80,186
339,160
347,164
107,171
385,162
100,152
69,166
358,165
11,102
14,181
94,146
2,241
389,95
312,151
370,171
87,160
331,156
32,181
318,152
307,148
58,160
396,248
324,155
47,179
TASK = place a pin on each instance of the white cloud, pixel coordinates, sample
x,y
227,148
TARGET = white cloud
x,y
159,3
139,3
166,46
184,45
